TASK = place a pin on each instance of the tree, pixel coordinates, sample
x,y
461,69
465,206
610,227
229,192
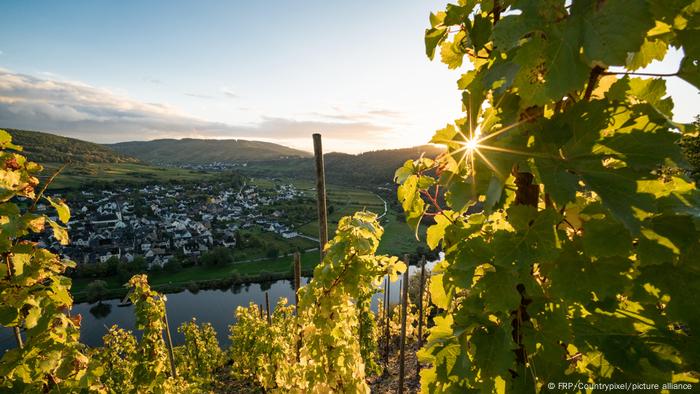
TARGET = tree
x,y
272,252
173,265
216,256
581,262
96,290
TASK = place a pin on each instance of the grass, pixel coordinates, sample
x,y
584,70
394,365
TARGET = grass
x,y
269,239
76,175
278,265
398,237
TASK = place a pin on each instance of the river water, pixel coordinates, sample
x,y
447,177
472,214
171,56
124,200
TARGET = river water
x,y
214,306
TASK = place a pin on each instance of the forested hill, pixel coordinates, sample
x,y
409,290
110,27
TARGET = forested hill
x,y
202,151
50,148
369,168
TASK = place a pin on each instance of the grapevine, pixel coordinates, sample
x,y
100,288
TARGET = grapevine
x,y
330,354
35,295
569,249
261,352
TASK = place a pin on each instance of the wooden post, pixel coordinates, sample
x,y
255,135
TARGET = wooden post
x,y
404,312
170,340
18,337
16,330
387,314
260,308
297,279
321,194
421,292
267,306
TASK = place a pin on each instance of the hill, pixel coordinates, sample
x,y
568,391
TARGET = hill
x,y
369,168
50,148
202,151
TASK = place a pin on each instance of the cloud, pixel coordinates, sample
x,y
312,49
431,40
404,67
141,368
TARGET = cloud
x,y
387,113
364,114
152,80
201,96
79,110
228,92
1,52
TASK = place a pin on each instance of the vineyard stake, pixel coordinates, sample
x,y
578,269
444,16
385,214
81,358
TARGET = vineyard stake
x,y
297,285
297,280
420,301
404,311
321,194
18,337
387,315
170,340
267,306
16,330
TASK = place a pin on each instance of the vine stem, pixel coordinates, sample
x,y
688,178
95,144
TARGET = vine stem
x,y
640,74
496,12
592,81
46,185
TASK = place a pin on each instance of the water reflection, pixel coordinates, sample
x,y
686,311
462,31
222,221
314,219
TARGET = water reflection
x,y
101,310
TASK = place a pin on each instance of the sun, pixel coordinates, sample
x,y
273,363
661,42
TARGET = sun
x,y
472,144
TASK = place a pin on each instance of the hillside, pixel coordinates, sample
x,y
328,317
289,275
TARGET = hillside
x,y
202,151
50,148
369,168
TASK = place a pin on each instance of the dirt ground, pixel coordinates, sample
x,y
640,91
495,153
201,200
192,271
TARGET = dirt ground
x,y
385,383
389,382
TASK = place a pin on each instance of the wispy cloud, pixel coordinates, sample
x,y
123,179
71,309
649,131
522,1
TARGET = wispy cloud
x,y
371,114
79,110
228,92
200,96
152,80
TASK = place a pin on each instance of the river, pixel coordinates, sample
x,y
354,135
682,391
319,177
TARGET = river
x,y
214,306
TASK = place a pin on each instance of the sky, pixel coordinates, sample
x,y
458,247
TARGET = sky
x,y
355,71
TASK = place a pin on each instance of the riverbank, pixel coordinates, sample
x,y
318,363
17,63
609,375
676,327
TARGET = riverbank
x,y
200,277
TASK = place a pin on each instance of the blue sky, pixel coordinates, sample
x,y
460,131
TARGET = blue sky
x,y
110,71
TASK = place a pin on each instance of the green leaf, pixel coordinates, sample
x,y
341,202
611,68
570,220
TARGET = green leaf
x,y
605,238
493,352
480,32
690,71
451,52
59,232
459,195
61,208
499,291
649,51
438,296
509,31
535,238
618,192
436,232
433,37
613,29
455,14
9,316
413,205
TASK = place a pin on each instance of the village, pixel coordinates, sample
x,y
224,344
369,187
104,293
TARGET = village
x,y
160,221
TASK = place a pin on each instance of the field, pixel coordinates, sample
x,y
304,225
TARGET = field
x,y
343,201
280,265
76,175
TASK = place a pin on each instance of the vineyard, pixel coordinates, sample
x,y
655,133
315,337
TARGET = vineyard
x,y
563,204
